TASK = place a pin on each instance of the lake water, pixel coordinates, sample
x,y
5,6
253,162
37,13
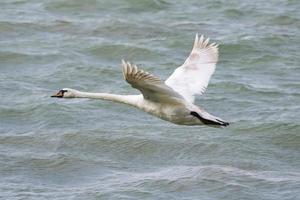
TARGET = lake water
x,y
91,149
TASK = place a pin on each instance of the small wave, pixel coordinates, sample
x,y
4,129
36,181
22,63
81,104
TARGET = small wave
x,y
284,20
93,6
263,126
146,6
27,58
246,87
234,13
289,140
178,177
243,49
125,50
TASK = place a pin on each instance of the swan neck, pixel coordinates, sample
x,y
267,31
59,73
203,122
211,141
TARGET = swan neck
x,y
126,99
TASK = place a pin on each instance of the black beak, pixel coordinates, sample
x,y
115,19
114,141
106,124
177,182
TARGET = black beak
x,y
60,94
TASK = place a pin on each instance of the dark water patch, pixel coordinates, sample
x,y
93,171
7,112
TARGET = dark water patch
x,y
246,87
237,50
94,6
118,51
262,127
73,6
10,26
285,20
9,59
18,30
146,6
66,27
116,28
264,59
30,142
290,139
12,56
99,74
272,43
186,24
234,13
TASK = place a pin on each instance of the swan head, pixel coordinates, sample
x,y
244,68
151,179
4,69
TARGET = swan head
x,y
66,93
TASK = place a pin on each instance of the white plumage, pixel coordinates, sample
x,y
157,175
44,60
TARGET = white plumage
x,y
172,100
193,76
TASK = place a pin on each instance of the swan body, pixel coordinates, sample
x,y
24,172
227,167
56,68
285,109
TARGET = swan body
x,y
172,100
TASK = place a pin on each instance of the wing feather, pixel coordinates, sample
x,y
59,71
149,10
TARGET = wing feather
x,y
193,76
150,86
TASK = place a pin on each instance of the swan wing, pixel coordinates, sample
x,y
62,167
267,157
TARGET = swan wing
x,y
150,86
193,76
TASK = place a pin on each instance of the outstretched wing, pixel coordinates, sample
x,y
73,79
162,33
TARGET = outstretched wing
x,y
193,76
150,86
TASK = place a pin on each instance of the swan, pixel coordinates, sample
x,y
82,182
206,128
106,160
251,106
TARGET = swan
x,y
172,100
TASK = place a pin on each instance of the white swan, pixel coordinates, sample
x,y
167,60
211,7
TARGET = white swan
x,y
172,100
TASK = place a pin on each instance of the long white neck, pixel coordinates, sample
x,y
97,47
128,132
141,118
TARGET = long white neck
x,y
132,100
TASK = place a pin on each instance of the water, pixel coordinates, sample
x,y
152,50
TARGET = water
x,y
89,149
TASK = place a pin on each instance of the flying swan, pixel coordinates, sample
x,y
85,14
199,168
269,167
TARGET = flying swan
x,y
172,100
